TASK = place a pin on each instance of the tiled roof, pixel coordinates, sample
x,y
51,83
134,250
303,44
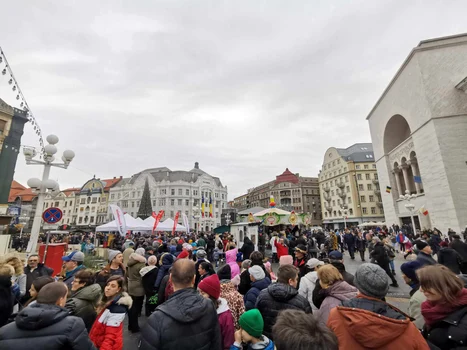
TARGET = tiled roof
x,y
108,183
360,152
287,176
26,195
69,191
16,187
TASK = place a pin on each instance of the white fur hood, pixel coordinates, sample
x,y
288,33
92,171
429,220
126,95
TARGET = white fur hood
x,y
126,300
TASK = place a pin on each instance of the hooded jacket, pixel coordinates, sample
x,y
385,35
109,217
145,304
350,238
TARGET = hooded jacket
x,y
226,323
231,259
234,300
44,326
135,282
307,286
365,323
451,259
380,254
278,297
247,248
245,281
107,331
335,295
185,321
256,288
167,261
148,277
82,304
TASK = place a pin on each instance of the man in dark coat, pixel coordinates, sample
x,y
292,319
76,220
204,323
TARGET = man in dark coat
x,y
186,320
424,254
280,296
349,240
461,248
449,258
381,257
32,271
247,248
46,324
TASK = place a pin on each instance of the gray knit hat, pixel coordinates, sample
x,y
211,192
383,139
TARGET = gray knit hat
x,y
113,254
257,272
371,280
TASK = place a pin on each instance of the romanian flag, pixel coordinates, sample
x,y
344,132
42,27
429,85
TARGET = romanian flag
x,y
202,205
423,210
210,206
388,189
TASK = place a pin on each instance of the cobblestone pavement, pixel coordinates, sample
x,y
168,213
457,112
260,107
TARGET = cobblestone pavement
x,y
399,297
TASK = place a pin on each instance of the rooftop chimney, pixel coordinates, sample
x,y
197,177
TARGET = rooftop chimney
x,y
196,165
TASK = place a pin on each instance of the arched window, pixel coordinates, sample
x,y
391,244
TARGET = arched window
x,y
397,131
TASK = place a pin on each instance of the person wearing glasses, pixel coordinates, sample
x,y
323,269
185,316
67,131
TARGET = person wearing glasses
x,y
34,270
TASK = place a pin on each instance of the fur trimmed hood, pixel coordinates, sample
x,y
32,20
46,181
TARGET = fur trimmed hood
x,y
136,258
145,270
125,299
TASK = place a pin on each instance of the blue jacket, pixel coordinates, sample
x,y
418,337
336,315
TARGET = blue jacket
x,y
349,239
267,344
252,294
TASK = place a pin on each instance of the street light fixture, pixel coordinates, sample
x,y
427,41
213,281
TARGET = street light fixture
x,y
42,186
409,206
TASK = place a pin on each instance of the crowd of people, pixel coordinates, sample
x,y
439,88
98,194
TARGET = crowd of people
x,y
211,292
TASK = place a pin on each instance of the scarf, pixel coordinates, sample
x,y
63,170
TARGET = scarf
x,y
434,312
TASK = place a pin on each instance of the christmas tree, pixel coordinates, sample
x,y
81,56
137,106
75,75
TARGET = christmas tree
x,y
145,207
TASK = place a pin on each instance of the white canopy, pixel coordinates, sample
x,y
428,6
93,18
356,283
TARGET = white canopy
x,y
272,210
166,225
132,224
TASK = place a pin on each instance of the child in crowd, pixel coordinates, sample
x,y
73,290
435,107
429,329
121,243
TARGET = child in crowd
x,y
215,256
268,267
251,332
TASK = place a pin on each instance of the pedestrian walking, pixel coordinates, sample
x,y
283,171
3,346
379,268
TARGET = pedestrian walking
x,y
136,262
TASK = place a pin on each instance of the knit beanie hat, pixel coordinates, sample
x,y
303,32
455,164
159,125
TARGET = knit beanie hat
x,y
225,272
140,251
211,285
113,254
257,272
201,253
152,260
285,260
409,269
371,280
183,255
252,322
421,245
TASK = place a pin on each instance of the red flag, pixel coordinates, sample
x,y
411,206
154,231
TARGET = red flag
x,y
154,214
158,219
175,222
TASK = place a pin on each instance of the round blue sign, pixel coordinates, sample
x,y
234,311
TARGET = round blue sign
x,y
52,215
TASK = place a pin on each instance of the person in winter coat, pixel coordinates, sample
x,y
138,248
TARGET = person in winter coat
x,y
7,299
445,310
391,254
36,288
335,289
381,257
308,282
424,254
127,252
251,333
349,240
282,248
33,270
165,261
148,277
400,239
19,278
435,241
461,248
230,293
231,259
205,269
449,258
136,262
107,331
245,281
200,258
210,288
186,320
279,296
367,322
115,267
416,296
259,281
360,245
46,324
73,263
84,297
247,248
300,260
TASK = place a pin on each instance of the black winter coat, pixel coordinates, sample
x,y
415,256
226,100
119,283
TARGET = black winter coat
x,y
245,281
40,271
349,239
278,297
256,288
461,248
247,248
185,321
450,333
451,259
380,254
149,280
82,304
7,299
425,259
360,243
41,326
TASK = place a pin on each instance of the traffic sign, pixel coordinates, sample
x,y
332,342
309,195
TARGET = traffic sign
x,y
52,215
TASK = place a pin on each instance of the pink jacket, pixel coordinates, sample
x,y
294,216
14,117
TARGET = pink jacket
x,y
231,259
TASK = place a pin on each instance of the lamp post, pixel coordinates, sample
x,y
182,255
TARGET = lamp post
x,y
196,216
46,184
409,206
344,215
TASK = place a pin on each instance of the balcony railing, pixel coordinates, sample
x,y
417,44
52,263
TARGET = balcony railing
x,y
327,189
341,185
378,192
379,204
341,194
375,181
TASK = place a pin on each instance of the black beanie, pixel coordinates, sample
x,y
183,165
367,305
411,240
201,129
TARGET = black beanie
x,y
224,273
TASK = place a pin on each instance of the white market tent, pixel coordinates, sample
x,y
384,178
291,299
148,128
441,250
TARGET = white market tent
x,y
132,224
272,210
166,225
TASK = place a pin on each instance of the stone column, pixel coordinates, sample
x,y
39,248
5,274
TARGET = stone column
x,y
407,182
396,172
413,165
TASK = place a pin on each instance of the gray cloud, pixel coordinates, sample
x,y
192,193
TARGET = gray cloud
x,y
245,88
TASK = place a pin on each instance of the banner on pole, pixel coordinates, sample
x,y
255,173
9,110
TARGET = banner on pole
x,y
175,222
158,218
186,223
119,218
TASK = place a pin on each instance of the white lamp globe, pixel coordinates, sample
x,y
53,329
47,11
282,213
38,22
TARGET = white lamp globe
x,y
34,183
52,139
68,155
50,149
50,184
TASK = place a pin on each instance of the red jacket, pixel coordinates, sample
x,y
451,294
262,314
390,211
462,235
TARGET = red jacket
x,y
281,249
226,323
107,331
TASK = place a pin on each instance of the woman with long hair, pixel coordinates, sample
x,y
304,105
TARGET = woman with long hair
x,y
19,278
107,331
113,268
445,310
210,288
36,286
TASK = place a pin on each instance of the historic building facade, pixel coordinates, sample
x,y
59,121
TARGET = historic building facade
x,y
291,192
349,187
419,128
174,191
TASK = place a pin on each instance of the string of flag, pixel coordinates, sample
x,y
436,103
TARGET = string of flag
x,y
7,72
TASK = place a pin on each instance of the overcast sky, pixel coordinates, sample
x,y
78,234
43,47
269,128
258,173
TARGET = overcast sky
x,y
246,88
